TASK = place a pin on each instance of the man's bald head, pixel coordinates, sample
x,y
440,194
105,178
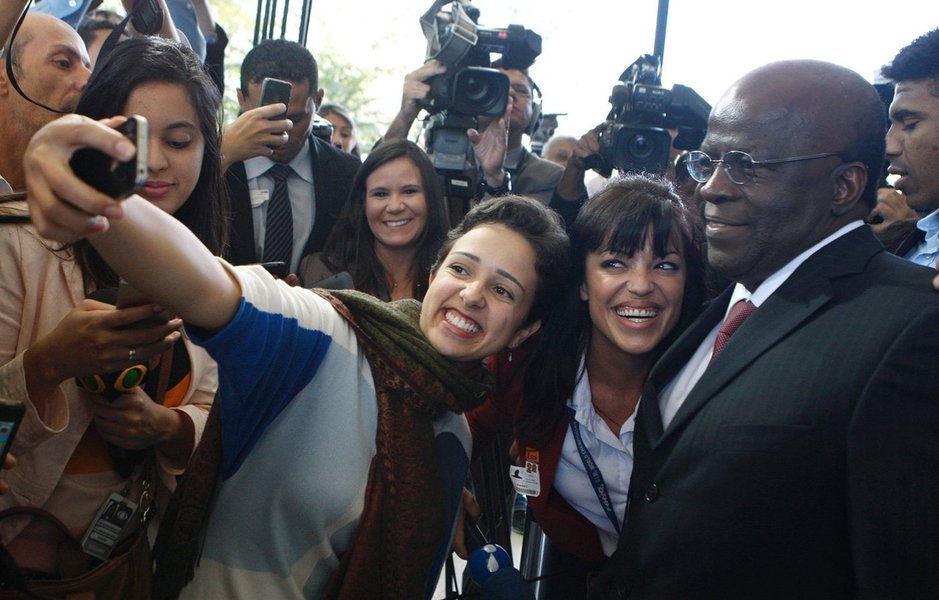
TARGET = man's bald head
x,y
808,106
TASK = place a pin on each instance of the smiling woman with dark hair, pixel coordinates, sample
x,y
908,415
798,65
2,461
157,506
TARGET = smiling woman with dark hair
x,y
338,440
636,283
389,231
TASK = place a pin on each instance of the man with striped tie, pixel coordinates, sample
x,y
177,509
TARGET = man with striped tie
x,y
286,186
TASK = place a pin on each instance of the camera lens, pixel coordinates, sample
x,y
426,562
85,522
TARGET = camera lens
x,y
476,88
640,146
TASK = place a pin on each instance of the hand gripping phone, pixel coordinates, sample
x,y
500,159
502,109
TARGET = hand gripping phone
x,y
274,91
114,178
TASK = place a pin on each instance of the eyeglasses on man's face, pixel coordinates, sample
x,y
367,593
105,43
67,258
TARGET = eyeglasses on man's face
x,y
738,166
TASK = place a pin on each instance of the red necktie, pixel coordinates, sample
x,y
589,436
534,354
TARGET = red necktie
x,y
738,314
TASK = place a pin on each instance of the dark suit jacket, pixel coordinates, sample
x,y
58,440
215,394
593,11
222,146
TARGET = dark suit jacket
x,y
805,462
536,177
333,171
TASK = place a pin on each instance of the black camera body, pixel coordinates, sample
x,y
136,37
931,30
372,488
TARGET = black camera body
x,y
637,137
470,86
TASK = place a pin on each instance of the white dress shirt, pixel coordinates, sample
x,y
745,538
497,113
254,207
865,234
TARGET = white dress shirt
x,y
677,390
302,200
927,251
613,456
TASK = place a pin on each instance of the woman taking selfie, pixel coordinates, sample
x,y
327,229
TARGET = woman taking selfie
x,y
343,451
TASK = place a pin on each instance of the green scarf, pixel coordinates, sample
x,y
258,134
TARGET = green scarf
x,y
403,522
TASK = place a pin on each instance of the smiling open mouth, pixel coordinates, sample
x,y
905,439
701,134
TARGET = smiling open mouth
x,y
637,314
460,323
400,223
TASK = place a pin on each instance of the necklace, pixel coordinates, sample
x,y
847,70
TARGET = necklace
x,y
616,422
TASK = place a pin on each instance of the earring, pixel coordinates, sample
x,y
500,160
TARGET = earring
x,y
510,356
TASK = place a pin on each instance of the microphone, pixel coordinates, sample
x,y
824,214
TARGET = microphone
x,y
491,568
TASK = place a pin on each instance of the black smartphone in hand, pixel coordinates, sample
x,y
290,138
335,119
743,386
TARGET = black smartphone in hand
x,y
11,413
114,178
146,16
274,91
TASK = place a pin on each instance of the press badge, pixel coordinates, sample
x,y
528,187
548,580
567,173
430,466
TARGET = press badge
x,y
258,197
527,480
108,524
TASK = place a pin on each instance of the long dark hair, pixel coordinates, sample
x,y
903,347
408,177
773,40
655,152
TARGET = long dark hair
x,y
618,219
144,60
351,244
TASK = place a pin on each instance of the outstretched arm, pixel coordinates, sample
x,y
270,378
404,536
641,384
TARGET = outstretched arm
x,y
156,253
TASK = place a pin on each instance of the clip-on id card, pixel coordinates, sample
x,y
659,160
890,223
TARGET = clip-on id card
x,y
108,524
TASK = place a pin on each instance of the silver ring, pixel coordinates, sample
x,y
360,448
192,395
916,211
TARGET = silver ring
x,y
132,355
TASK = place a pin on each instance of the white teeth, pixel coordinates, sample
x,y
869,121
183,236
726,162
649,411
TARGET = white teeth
x,y
637,313
461,323
397,223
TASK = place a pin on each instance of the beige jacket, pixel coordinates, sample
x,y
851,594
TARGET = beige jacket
x,y
38,287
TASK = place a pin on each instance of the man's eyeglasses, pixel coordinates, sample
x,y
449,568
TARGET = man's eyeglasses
x,y
738,166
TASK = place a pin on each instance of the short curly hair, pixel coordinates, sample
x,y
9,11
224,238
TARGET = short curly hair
x,y
281,59
917,61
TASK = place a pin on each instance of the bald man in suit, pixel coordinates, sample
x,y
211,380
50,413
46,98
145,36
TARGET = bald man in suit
x,y
803,460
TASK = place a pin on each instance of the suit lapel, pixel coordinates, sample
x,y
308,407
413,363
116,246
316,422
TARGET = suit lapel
x,y
241,237
806,291
672,361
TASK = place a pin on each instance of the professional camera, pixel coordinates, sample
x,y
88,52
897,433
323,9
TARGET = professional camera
x,y
636,137
469,86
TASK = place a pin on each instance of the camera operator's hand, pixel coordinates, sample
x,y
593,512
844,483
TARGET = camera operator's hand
x,y
490,144
253,133
62,206
416,90
571,186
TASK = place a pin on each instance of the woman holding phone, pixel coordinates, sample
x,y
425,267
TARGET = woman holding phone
x,y
343,449
53,333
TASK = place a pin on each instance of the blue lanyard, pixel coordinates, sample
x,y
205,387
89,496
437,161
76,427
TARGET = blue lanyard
x,y
594,474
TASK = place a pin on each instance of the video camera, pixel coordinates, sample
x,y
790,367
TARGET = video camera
x,y
470,87
636,137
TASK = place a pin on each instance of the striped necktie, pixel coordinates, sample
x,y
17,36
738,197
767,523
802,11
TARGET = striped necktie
x,y
738,314
278,232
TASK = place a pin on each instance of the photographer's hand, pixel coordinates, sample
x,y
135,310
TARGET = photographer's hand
x,y
490,145
252,134
416,90
571,186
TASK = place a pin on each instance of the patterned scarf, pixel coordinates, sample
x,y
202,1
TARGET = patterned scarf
x,y
403,521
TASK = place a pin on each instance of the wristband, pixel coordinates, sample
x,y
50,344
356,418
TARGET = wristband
x,y
501,190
